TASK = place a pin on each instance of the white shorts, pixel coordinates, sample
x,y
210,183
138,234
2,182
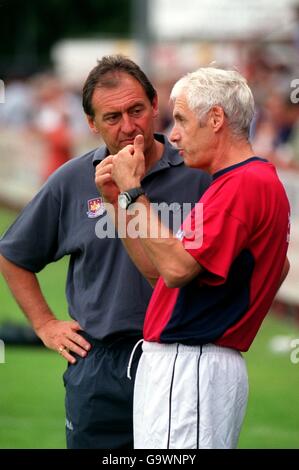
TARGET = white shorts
x,y
189,397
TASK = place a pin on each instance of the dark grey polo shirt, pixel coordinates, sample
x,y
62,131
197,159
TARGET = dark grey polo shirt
x,y
105,292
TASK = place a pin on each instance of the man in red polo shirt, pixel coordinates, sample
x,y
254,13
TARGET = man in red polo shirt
x,y
216,278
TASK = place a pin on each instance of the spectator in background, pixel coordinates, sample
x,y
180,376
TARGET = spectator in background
x,y
51,121
276,131
17,109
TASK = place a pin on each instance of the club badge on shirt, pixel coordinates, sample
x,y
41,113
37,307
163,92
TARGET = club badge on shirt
x,y
95,207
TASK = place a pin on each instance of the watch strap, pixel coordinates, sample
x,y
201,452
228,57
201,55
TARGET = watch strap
x,y
134,193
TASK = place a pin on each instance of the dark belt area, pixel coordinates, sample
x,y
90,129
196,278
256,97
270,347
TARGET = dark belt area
x,y
112,341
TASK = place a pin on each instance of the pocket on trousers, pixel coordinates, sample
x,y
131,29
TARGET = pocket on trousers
x,y
67,373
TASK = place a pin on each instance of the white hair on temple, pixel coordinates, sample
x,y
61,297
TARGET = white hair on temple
x,y
209,86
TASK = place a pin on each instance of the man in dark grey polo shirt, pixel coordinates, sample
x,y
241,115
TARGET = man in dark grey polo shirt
x,y
107,296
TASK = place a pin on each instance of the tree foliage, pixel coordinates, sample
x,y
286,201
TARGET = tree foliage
x,y
30,28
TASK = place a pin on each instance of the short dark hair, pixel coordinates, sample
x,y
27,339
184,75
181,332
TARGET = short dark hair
x,y
106,74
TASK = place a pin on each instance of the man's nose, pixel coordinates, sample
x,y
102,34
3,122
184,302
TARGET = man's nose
x,y
128,124
174,135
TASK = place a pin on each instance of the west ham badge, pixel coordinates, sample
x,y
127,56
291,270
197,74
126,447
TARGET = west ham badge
x,y
95,207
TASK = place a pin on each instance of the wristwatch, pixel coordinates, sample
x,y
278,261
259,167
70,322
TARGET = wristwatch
x,y
126,198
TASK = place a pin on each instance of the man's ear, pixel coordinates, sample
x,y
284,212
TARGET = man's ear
x,y
155,106
217,118
92,124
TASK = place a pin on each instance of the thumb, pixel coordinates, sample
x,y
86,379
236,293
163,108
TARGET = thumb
x,y
139,143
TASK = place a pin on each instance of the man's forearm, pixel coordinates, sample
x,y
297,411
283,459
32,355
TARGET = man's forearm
x,y
26,290
133,246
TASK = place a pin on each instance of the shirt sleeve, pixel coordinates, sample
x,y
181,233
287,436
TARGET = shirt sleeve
x,y
32,240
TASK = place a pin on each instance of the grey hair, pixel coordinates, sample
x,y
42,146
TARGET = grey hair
x,y
208,87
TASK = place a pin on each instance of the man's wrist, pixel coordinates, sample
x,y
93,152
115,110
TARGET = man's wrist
x,y
130,185
126,198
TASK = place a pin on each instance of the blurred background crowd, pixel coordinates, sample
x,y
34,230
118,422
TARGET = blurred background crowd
x,y
44,64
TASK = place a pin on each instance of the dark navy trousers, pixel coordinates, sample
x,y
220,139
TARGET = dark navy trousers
x,y
99,396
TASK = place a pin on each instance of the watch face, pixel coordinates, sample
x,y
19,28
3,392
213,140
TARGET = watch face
x,y
123,200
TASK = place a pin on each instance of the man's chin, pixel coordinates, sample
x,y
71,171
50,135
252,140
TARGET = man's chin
x,y
185,158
